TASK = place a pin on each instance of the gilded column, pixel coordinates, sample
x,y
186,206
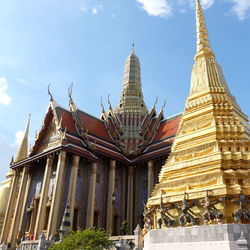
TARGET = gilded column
x,y
111,189
91,199
43,198
18,208
72,187
55,204
10,207
130,199
150,177
24,205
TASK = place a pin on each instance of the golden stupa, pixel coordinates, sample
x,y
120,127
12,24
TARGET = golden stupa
x,y
206,177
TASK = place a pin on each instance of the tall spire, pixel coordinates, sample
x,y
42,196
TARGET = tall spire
x,y
23,148
206,73
131,109
131,97
203,44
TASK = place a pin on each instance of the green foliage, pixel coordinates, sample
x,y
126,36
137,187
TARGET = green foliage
x,y
94,239
124,228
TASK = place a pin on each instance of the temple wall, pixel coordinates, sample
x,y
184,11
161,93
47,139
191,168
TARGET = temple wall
x,y
99,194
117,203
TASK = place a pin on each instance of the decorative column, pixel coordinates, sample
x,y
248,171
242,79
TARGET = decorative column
x,y
23,211
18,208
55,204
91,199
72,187
130,199
150,177
10,207
43,198
111,189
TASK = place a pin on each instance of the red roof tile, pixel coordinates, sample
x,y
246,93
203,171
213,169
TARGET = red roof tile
x,y
95,126
167,128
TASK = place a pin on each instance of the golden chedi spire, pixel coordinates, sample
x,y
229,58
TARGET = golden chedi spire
x,y
203,44
208,170
23,148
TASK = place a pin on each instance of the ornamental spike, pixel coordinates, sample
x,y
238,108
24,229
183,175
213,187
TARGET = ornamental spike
x,y
203,44
23,148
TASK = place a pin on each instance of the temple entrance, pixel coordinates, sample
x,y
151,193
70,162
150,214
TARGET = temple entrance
x,y
45,226
75,219
115,225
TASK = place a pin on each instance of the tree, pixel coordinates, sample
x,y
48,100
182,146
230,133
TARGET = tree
x,y
94,239
124,228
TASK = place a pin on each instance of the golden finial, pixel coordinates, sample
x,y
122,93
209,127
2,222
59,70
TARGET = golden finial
x,y
70,89
103,110
72,106
133,48
110,106
164,105
156,101
203,44
49,93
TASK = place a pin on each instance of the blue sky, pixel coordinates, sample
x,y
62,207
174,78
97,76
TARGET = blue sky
x,y
87,42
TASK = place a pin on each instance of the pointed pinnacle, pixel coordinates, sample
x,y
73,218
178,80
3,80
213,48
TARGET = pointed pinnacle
x,y
133,48
49,93
23,148
203,44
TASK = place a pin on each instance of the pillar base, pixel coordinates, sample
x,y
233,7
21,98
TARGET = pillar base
x,y
207,237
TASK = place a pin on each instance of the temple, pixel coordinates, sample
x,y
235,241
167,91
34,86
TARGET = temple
x,y
206,177
101,170
191,170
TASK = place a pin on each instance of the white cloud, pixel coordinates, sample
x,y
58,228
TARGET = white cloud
x,y
18,138
161,8
96,9
241,8
4,97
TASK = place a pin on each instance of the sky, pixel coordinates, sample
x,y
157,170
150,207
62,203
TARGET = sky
x,y
86,42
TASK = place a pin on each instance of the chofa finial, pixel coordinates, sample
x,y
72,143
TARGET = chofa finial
x,y
110,106
70,89
103,110
156,101
49,93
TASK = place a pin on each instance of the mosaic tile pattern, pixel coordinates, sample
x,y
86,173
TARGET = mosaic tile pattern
x,y
82,192
99,193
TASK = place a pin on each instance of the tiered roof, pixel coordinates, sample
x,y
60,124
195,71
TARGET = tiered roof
x,y
88,136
